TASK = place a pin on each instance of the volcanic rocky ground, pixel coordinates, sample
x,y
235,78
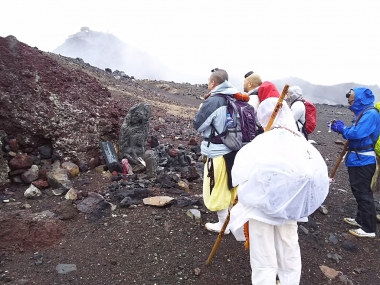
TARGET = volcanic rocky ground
x,y
138,244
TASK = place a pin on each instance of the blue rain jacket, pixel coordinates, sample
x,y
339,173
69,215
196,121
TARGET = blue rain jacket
x,y
362,137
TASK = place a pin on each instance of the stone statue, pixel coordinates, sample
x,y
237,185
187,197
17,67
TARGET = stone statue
x,y
134,133
162,155
150,159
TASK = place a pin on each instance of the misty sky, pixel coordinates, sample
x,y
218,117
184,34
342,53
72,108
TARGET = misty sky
x,y
321,41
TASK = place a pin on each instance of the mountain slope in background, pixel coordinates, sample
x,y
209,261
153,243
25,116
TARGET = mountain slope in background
x,y
323,94
105,50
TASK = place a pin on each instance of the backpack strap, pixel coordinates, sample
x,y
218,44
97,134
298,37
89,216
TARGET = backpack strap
x,y
214,132
303,130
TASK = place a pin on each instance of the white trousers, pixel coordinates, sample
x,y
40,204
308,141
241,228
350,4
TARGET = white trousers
x,y
274,250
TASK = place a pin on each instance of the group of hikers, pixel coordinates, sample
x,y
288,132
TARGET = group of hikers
x,y
279,178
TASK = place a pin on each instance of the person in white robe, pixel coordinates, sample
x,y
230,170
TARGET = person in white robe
x,y
282,179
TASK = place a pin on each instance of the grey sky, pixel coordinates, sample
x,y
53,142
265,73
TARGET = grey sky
x,y
321,41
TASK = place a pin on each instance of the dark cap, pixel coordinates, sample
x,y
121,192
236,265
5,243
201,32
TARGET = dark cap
x,y
248,74
349,93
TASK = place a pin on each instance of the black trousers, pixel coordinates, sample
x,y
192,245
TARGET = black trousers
x,y
360,180
229,159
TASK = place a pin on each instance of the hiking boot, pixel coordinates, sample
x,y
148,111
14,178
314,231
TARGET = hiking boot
x,y
361,233
352,222
217,227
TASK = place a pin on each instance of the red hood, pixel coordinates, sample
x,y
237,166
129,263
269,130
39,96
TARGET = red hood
x,y
266,90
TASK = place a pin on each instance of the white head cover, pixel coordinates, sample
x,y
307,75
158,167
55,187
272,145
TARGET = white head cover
x,y
284,117
280,174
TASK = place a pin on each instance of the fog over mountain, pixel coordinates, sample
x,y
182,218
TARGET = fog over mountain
x,y
332,94
104,50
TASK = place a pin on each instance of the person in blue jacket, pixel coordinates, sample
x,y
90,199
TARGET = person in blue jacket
x,y
361,157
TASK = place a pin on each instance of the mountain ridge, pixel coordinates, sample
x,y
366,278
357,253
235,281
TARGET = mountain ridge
x,y
104,50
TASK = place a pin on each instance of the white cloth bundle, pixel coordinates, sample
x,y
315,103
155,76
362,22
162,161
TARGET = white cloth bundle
x,y
281,176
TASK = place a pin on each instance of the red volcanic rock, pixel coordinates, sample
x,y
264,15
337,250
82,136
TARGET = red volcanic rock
x,y
93,162
41,184
30,230
44,99
13,145
173,152
192,141
20,161
17,172
42,174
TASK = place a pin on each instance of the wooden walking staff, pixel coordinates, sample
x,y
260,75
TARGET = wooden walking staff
x,y
339,159
269,125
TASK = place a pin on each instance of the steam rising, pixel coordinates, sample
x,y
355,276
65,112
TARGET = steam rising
x,y
104,50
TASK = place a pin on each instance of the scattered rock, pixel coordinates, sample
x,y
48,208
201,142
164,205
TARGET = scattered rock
x,y
30,175
20,161
65,268
59,191
184,186
71,168
66,210
89,204
350,246
329,272
194,214
333,239
323,209
158,201
335,257
41,184
197,271
304,230
32,192
71,194
59,178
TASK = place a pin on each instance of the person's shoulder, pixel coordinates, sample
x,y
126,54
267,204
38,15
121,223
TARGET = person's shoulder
x,y
371,111
298,103
218,98
214,101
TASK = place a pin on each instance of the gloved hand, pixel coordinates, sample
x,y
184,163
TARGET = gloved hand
x,y
338,126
